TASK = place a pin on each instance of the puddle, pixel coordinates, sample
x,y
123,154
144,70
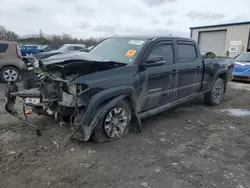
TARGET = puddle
x,y
237,112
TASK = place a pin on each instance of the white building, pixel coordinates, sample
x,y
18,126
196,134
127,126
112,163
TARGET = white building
x,y
232,38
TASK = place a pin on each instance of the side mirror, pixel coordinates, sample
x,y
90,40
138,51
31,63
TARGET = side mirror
x,y
154,61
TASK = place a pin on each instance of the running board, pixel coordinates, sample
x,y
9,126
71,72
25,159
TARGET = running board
x,y
168,106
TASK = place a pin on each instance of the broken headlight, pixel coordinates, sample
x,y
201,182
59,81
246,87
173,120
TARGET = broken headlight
x,y
81,88
76,88
71,88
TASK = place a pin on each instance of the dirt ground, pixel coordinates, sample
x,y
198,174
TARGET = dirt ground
x,y
190,146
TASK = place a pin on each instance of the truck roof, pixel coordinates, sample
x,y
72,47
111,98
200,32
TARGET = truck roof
x,y
150,37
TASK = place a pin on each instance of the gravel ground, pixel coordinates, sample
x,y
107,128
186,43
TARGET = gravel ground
x,y
190,146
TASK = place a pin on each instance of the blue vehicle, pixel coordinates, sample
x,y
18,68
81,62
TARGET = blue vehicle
x,y
29,49
242,67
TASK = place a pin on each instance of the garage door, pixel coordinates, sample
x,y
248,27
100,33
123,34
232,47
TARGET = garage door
x,y
213,41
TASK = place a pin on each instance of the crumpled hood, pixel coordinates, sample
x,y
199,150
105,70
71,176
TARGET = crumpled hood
x,y
76,61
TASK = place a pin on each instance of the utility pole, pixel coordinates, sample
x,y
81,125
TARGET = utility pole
x,y
40,33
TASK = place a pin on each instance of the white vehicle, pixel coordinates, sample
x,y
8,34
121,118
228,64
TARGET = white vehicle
x,y
69,47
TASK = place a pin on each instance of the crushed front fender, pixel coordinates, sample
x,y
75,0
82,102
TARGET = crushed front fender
x,y
86,128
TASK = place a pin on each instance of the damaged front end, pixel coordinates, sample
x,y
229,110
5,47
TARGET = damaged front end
x,y
54,93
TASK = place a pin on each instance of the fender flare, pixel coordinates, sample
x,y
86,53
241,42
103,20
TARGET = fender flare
x,y
219,73
99,105
213,79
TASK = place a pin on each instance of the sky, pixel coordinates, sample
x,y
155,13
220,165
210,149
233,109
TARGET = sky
x,y
103,18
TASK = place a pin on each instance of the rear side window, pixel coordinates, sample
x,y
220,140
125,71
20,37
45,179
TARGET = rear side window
x,y
165,50
3,48
186,52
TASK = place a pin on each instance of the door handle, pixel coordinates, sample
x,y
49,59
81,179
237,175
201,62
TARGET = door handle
x,y
174,72
198,68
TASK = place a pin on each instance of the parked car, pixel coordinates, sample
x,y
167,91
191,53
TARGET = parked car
x,y
10,61
29,49
64,48
48,48
242,67
123,79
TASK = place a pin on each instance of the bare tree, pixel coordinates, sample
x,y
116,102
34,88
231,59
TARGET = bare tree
x,y
41,38
7,35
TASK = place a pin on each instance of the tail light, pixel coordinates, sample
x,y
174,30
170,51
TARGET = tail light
x,y
19,54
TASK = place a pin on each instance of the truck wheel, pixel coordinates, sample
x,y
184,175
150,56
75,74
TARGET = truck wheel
x,y
216,94
113,125
8,74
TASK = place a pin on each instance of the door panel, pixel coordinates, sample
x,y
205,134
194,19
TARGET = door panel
x,y
189,81
161,83
189,69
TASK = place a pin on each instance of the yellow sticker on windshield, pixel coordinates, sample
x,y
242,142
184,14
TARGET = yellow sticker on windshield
x,y
130,53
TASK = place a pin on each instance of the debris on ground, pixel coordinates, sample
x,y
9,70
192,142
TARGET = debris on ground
x,y
174,150
57,145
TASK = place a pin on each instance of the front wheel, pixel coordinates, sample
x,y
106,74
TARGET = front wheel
x,y
216,94
114,124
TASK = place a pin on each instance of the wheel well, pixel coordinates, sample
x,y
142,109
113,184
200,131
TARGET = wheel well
x,y
224,77
11,66
127,98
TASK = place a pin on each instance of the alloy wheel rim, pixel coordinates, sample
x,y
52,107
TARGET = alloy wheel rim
x,y
10,75
218,91
115,122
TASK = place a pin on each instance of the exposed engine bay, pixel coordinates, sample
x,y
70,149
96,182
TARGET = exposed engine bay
x,y
56,87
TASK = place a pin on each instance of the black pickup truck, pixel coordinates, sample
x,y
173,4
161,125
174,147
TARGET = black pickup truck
x,y
121,80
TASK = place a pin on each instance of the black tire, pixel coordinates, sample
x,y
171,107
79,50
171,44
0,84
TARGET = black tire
x,y
216,94
99,134
11,70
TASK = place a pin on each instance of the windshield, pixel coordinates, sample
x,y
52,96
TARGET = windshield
x,y
244,57
119,49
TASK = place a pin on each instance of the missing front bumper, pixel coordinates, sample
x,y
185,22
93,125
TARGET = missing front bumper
x,y
10,101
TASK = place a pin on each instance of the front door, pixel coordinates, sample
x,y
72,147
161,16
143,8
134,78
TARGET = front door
x,y
161,85
190,69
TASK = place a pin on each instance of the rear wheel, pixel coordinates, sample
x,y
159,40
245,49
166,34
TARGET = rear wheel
x,y
8,74
216,94
114,124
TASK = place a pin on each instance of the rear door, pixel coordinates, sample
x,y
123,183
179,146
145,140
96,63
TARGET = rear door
x,y
161,81
190,68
